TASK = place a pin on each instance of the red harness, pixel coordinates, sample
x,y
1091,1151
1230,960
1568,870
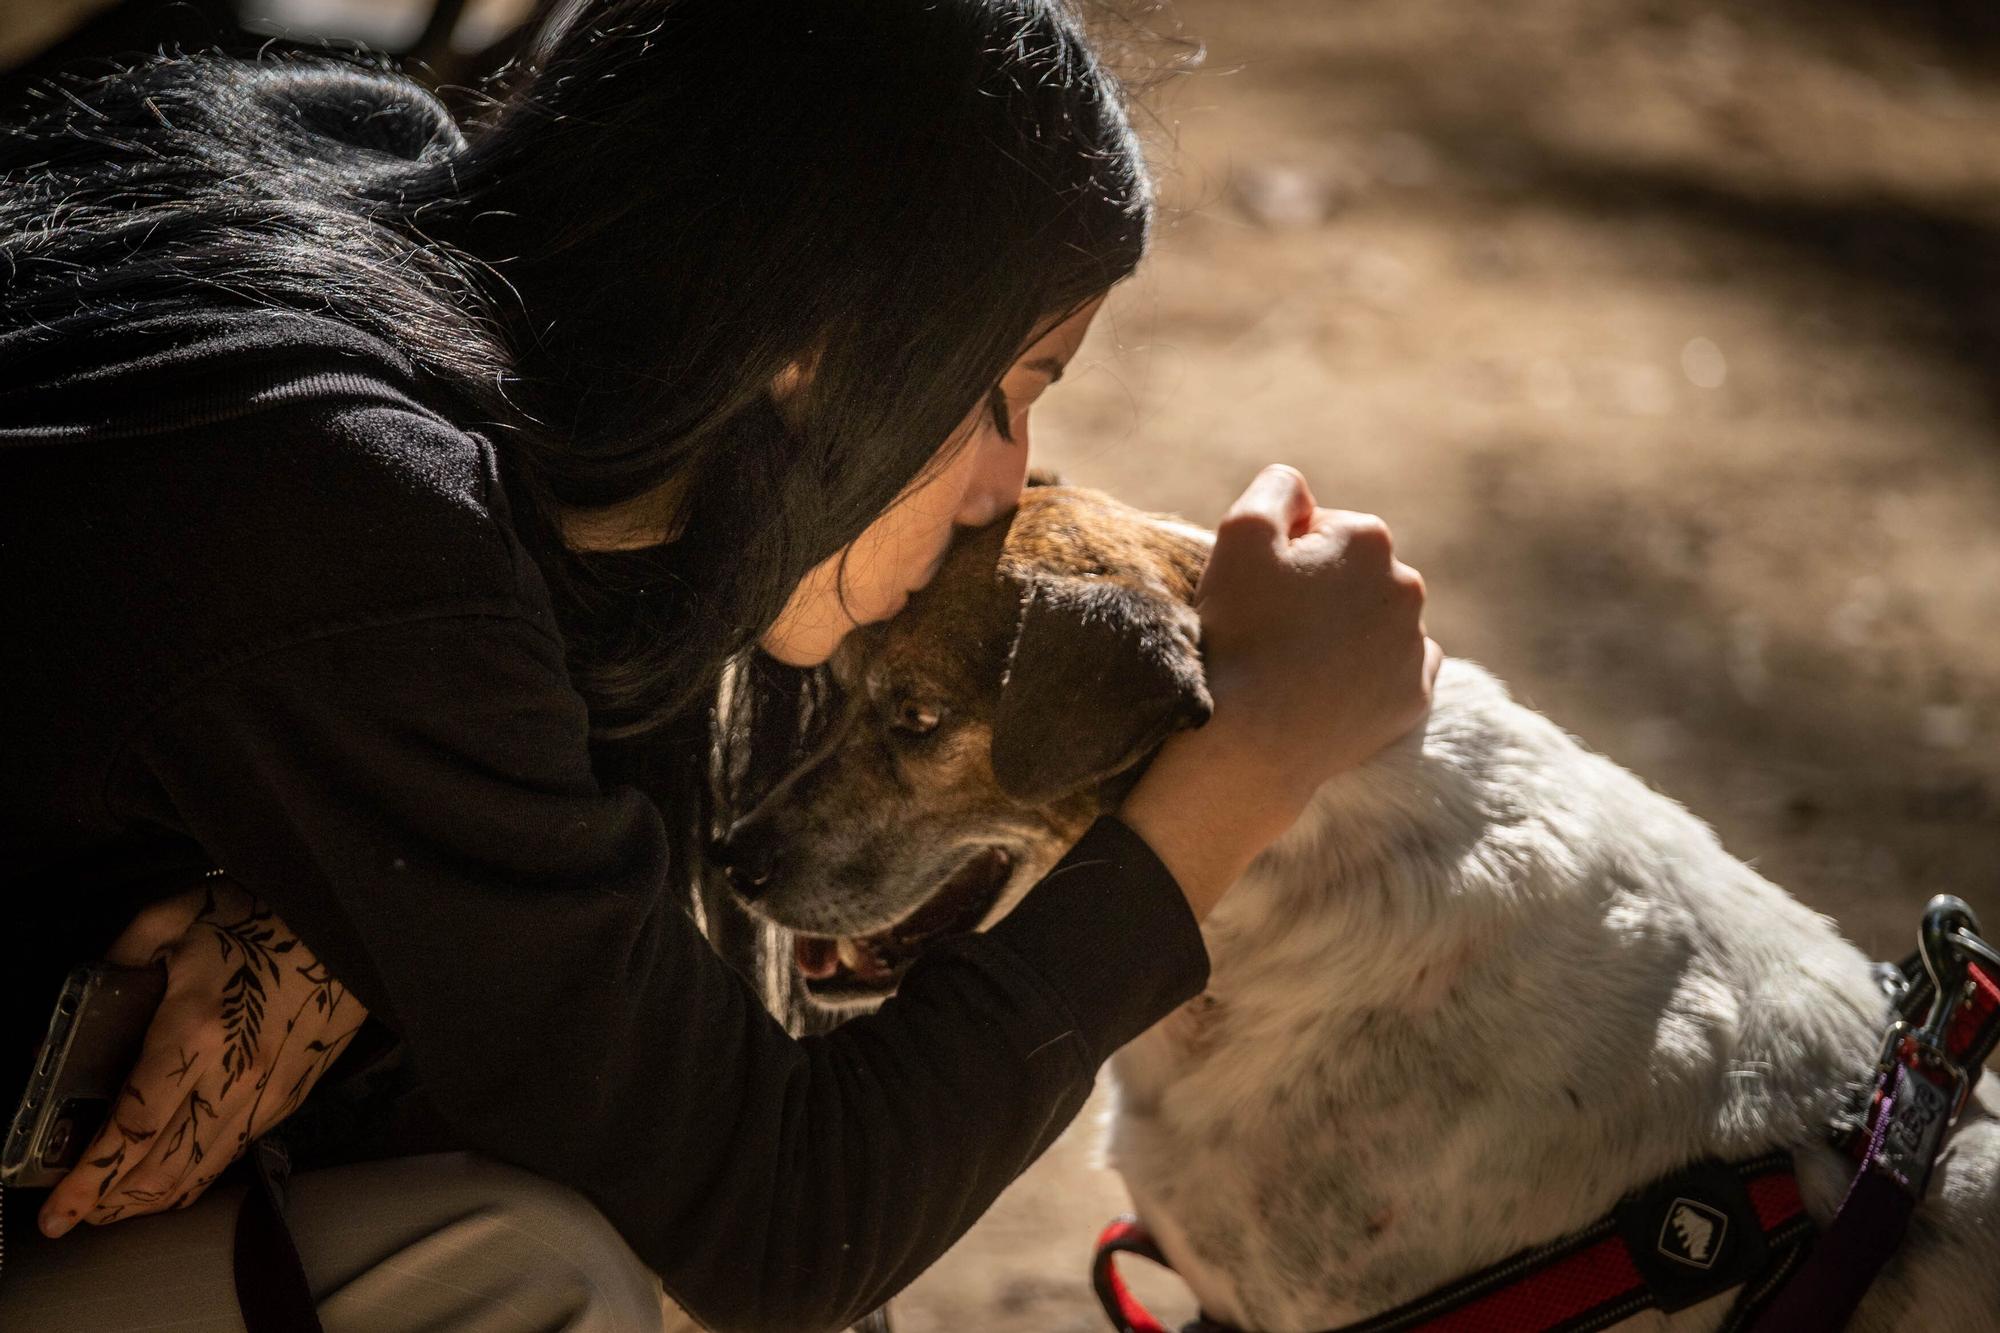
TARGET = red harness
x,y
1714,1226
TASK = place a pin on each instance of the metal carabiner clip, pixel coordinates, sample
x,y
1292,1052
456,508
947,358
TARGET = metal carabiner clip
x,y
1944,959
1941,941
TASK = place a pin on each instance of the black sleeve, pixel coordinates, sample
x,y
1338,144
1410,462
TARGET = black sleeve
x,y
416,800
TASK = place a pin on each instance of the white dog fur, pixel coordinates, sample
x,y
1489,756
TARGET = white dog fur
x,y
1489,983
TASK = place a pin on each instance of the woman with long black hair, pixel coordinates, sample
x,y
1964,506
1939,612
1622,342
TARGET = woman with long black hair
x,y
380,502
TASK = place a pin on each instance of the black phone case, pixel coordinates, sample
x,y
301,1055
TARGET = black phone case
x,y
94,1038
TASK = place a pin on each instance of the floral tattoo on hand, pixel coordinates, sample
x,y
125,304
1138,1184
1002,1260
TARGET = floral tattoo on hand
x,y
250,1023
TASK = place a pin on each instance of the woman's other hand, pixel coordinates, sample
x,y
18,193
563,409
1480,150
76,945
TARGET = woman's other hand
x,y
1315,652
249,1023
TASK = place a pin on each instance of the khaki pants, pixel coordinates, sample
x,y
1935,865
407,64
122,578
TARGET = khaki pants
x,y
450,1241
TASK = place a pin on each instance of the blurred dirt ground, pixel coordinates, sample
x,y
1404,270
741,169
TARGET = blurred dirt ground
x,y
1667,337
1665,334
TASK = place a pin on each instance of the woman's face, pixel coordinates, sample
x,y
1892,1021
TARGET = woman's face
x,y
900,551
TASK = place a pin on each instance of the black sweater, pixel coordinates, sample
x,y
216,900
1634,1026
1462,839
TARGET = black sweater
x,y
266,610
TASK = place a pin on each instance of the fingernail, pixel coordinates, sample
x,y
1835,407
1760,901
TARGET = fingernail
x,y
55,1225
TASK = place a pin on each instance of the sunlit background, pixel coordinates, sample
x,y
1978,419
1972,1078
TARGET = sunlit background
x,y
1664,333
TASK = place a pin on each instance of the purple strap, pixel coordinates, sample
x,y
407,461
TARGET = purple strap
x,y
1823,1295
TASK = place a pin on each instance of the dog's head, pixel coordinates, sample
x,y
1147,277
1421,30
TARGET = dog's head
x,y
979,733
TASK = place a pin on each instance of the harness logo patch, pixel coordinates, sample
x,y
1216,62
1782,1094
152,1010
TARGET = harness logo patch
x,y
1693,1233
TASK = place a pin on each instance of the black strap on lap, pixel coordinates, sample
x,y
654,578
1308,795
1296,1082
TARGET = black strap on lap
x,y
271,1287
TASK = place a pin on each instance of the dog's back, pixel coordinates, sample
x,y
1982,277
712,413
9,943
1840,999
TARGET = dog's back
x,y
1490,983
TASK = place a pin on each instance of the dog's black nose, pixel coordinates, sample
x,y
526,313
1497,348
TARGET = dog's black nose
x,y
749,856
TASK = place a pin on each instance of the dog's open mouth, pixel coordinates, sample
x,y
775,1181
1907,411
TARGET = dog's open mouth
x,y
874,963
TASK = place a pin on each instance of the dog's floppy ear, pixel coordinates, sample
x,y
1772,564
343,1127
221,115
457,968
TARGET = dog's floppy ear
x,y
1101,673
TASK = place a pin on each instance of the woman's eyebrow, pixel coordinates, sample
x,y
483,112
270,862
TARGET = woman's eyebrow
x,y
1048,365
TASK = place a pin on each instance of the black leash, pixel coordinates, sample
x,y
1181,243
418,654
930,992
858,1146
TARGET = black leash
x,y
271,1286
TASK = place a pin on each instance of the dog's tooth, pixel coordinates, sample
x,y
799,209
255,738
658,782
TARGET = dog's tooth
x,y
854,956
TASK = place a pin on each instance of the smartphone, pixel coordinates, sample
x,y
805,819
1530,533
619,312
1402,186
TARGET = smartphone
x,y
94,1039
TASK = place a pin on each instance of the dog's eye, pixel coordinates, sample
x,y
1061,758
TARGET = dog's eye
x,y
916,717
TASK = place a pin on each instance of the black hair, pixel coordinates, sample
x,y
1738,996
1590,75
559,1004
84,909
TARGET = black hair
x,y
669,204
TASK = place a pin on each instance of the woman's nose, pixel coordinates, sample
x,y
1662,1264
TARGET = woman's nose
x,y
978,510
996,487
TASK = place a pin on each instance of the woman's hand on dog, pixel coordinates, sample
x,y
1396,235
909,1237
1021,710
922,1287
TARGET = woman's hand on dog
x,y
1315,652
249,1023
1313,637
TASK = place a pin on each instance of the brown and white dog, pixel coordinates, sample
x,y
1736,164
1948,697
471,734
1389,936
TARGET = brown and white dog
x,y
1486,985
